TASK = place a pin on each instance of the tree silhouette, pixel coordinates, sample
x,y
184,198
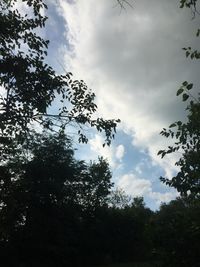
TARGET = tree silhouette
x,y
176,233
29,85
46,198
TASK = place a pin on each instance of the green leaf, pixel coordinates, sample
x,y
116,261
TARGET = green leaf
x,y
172,125
185,83
185,97
180,91
189,86
187,53
160,152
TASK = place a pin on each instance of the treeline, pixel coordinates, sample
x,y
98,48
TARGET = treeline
x,y
56,210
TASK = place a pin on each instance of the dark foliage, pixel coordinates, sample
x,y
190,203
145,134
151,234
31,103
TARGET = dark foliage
x,y
29,86
47,199
187,142
177,233
186,133
58,211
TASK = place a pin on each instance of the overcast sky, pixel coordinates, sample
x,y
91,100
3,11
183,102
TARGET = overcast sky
x,y
132,59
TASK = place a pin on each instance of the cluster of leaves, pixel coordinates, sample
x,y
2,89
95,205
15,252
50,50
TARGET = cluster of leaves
x,y
47,165
193,54
192,4
186,135
29,86
119,199
176,233
188,3
45,194
183,90
55,209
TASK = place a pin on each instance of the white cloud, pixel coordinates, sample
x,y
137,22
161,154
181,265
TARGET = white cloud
x,y
144,163
113,154
133,185
134,62
2,91
163,197
98,149
136,186
120,152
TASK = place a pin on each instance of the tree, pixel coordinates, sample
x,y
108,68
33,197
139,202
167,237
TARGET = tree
x,y
176,233
29,86
97,185
186,134
47,197
119,199
34,201
126,228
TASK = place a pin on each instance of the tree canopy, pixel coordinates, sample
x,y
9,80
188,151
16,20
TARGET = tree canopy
x,y
29,85
57,210
45,193
186,133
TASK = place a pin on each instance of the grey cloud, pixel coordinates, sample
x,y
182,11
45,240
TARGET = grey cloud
x,y
134,61
141,51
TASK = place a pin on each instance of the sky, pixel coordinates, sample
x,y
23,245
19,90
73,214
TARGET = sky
x,y
133,60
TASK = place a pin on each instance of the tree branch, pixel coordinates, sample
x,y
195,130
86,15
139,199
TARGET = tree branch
x,y
122,3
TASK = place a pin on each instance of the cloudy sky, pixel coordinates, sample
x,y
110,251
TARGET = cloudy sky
x,y
132,59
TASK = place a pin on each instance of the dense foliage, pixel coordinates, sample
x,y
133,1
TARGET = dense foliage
x,y
59,211
177,233
46,198
29,86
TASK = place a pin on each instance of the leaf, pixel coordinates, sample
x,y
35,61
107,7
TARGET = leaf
x,y
187,53
180,91
172,125
185,97
185,83
189,86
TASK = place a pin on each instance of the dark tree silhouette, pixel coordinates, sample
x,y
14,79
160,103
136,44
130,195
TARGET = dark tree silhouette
x,y
46,197
176,233
29,85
